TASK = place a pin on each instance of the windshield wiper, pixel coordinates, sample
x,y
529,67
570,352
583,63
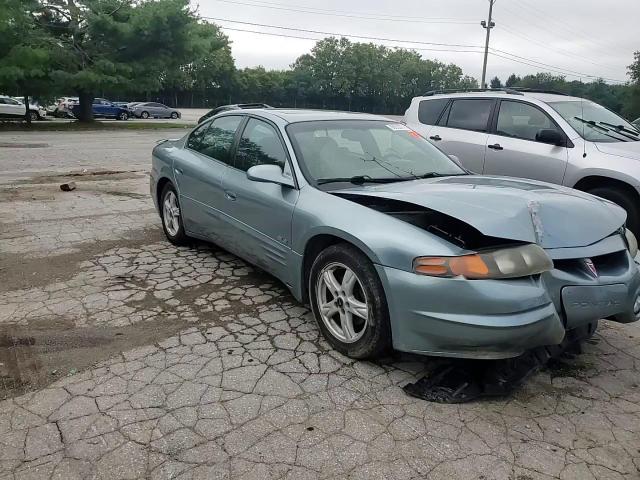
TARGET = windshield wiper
x,y
621,128
602,129
356,180
438,174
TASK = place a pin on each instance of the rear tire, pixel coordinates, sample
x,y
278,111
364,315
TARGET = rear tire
x,y
625,201
171,216
354,334
34,116
144,115
174,115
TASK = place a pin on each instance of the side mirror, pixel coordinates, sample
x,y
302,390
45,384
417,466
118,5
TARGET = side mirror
x,y
269,174
551,136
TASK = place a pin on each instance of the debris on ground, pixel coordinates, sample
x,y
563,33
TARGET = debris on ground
x,y
67,187
460,381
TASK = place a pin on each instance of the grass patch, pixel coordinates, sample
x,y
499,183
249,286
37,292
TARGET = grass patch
x,y
93,126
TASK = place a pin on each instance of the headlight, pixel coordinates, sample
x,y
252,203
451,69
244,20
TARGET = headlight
x,y
512,262
632,242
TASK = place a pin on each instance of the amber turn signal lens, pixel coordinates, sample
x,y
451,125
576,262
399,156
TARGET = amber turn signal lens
x,y
470,266
435,266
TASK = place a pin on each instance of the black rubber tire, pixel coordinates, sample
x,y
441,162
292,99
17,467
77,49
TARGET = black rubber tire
x,y
181,237
626,201
377,338
123,116
144,115
174,115
35,116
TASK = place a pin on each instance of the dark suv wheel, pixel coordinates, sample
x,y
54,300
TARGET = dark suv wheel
x,y
626,201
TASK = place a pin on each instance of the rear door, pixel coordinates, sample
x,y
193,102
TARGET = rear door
x,y
512,148
198,170
261,213
462,130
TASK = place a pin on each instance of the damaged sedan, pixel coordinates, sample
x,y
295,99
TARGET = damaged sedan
x,y
391,242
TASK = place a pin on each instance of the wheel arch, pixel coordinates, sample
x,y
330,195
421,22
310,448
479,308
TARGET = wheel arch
x,y
592,181
162,182
316,244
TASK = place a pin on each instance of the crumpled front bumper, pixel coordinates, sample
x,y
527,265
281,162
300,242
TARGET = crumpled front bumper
x,y
492,319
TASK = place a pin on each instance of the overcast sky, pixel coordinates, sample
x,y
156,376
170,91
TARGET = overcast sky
x,y
583,37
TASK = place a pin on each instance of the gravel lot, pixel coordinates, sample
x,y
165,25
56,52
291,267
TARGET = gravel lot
x,y
122,356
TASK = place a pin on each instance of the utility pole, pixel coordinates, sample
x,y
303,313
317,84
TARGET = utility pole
x,y
488,25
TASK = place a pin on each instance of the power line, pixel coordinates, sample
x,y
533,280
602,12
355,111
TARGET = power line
x,y
338,13
501,53
273,34
334,34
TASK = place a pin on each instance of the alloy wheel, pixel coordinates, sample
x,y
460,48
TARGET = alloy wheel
x,y
171,213
342,302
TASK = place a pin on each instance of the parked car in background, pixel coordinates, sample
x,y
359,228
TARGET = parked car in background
x,y
63,107
154,110
103,108
636,123
539,135
391,242
235,106
15,109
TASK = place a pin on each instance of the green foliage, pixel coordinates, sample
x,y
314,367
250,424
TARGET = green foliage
x,y
496,83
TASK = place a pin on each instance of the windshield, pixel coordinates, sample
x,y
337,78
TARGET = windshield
x,y
594,122
365,151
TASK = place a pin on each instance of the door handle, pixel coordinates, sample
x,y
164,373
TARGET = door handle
x,y
178,171
435,137
495,146
230,195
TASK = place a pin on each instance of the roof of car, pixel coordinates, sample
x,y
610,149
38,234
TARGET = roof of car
x,y
293,115
515,94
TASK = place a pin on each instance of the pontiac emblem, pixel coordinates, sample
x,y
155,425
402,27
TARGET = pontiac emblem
x,y
591,267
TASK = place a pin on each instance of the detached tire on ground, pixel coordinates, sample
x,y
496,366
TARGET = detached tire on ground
x,y
349,303
626,201
172,216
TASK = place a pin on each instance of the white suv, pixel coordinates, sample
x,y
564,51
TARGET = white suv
x,y
15,109
540,135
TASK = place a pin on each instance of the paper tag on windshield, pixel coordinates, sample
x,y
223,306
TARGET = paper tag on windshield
x,y
397,127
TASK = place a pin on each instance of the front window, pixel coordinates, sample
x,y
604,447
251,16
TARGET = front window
x,y
594,122
365,151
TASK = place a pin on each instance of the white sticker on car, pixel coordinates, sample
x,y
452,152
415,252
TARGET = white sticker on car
x,y
397,127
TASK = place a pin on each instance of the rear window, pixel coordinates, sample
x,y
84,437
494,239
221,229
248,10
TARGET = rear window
x,y
470,114
429,110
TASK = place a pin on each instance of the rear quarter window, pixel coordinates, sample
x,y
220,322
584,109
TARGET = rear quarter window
x,y
430,110
470,114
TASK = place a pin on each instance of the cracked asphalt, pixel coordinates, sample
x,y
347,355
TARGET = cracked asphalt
x,y
124,357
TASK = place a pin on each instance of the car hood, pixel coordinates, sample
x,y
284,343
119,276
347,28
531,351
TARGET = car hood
x,y
620,149
509,208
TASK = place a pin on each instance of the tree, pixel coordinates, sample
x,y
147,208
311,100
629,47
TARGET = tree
x,y
25,51
512,81
496,83
109,44
632,108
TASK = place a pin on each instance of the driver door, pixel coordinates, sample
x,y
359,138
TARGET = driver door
x,y
512,148
260,213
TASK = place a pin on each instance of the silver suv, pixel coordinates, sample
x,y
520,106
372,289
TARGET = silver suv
x,y
545,136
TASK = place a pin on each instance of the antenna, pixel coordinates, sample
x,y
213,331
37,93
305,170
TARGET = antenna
x,y
584,141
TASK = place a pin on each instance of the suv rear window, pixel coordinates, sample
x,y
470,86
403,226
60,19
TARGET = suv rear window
x,y
429,110
470,114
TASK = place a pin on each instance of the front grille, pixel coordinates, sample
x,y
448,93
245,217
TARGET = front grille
x,y
606,265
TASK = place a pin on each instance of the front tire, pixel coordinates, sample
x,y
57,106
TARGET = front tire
x,y
174,115
123,116
172,216
34,116
623,199
349,303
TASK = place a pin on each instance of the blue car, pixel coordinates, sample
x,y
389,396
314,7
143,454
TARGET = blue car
x,y
105,109
391,242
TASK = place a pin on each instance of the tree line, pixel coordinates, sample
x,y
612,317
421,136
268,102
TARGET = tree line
x,y
161,50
